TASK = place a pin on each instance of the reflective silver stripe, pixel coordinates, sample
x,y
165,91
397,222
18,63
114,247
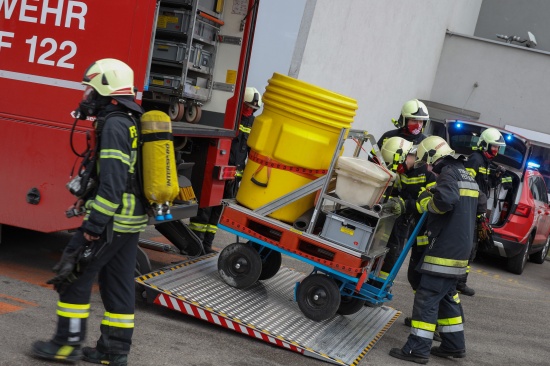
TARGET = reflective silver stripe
x,y
451,328
468,185
422,333
442,269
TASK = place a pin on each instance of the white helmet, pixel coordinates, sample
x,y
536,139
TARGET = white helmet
x,y
110,78
413,109
490,136
394,151
252,98
431,149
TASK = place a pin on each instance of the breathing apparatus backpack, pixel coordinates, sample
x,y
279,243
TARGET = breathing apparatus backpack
x,y
159,176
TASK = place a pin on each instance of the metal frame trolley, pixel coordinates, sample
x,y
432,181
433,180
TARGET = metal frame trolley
x,y
345,244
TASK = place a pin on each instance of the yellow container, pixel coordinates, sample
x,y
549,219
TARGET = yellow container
x,y
292,143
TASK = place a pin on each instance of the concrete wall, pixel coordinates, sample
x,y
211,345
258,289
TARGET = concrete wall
x,y
513,17
512,81
381,53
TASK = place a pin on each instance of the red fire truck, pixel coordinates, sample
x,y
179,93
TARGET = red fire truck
x,y
190,59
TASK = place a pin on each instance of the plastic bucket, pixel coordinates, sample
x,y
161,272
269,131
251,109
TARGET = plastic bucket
x,y
292,143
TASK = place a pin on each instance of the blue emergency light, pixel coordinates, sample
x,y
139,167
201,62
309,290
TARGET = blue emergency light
x,y
533,165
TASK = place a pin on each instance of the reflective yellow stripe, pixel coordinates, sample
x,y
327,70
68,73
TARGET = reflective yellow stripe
x,y
383,275
114,154
468,193
472,172
197,227
483,170
118,320
211,229
413,180
450,321
244,129
456,298
66,310
63,352
422,240
446,262
423,325
430,185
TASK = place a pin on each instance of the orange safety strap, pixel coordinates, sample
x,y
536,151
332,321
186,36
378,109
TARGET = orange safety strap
x,y
265,161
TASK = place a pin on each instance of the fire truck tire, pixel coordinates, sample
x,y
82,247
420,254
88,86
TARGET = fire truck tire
x,y
350,305
239,265
318,297
193,113
182,237
271,262
176,111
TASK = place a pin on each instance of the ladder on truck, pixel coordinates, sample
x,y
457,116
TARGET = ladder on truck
x,y
266,310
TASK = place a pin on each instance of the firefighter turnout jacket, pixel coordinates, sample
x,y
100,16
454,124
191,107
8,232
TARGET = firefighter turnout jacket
x,y
451,221
114,198
403,133
484,172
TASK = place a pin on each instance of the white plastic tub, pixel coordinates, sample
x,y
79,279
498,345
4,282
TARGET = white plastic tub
x,y
360,181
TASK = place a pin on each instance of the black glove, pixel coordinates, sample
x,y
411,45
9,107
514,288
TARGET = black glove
x,y
65,270
424,198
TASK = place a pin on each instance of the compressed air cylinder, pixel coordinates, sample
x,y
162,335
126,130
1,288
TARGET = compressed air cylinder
x,y
160,176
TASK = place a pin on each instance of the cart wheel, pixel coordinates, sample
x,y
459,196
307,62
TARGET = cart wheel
x,y
271,262
350,305
143,266
239,265
193,113
318,297
176,111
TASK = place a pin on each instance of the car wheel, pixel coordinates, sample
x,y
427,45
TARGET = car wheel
x,y
540,256
517,263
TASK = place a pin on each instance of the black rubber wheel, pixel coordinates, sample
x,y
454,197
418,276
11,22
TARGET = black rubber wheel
x,y
517,263
271,261
239,265
350,305
143,266
540,256
318,297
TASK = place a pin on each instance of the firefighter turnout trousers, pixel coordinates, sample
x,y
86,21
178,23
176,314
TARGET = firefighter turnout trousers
x,y
436,303
114,267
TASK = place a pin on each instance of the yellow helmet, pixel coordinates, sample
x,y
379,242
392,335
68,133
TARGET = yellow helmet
x,y
413,109
110,78
431,149
490,136
252,98
394,151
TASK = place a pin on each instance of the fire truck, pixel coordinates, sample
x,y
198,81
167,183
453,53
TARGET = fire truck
x,y
190,59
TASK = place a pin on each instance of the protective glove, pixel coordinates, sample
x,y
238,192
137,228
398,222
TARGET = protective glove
x,y
397,205
65,270
424,198
506,182
484,229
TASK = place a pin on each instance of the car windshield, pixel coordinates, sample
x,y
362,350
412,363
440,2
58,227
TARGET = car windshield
x,y
464,136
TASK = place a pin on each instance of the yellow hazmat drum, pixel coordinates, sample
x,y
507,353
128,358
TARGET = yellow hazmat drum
x,y
292,143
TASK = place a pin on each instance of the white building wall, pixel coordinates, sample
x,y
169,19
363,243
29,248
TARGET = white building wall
x,y
381,53
512,81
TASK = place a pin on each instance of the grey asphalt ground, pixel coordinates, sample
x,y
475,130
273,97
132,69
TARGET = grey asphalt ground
x,y
507,321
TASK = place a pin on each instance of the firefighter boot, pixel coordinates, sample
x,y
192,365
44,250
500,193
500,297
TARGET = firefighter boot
x,y
94,356
56,352
207,243
440,352
463,288
398,353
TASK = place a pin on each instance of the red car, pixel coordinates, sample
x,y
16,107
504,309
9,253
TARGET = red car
x,y
520,215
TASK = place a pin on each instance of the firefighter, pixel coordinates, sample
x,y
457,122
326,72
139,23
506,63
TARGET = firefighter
x,y
399,156
106,243
411,123
450,224
487,176
205,223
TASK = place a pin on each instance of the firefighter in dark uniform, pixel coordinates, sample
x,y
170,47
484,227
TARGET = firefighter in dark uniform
x,y
205,223
487,175
399,156
106,243
451,208
411,123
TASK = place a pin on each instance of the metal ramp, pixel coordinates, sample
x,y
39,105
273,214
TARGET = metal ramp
x,y
267,311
